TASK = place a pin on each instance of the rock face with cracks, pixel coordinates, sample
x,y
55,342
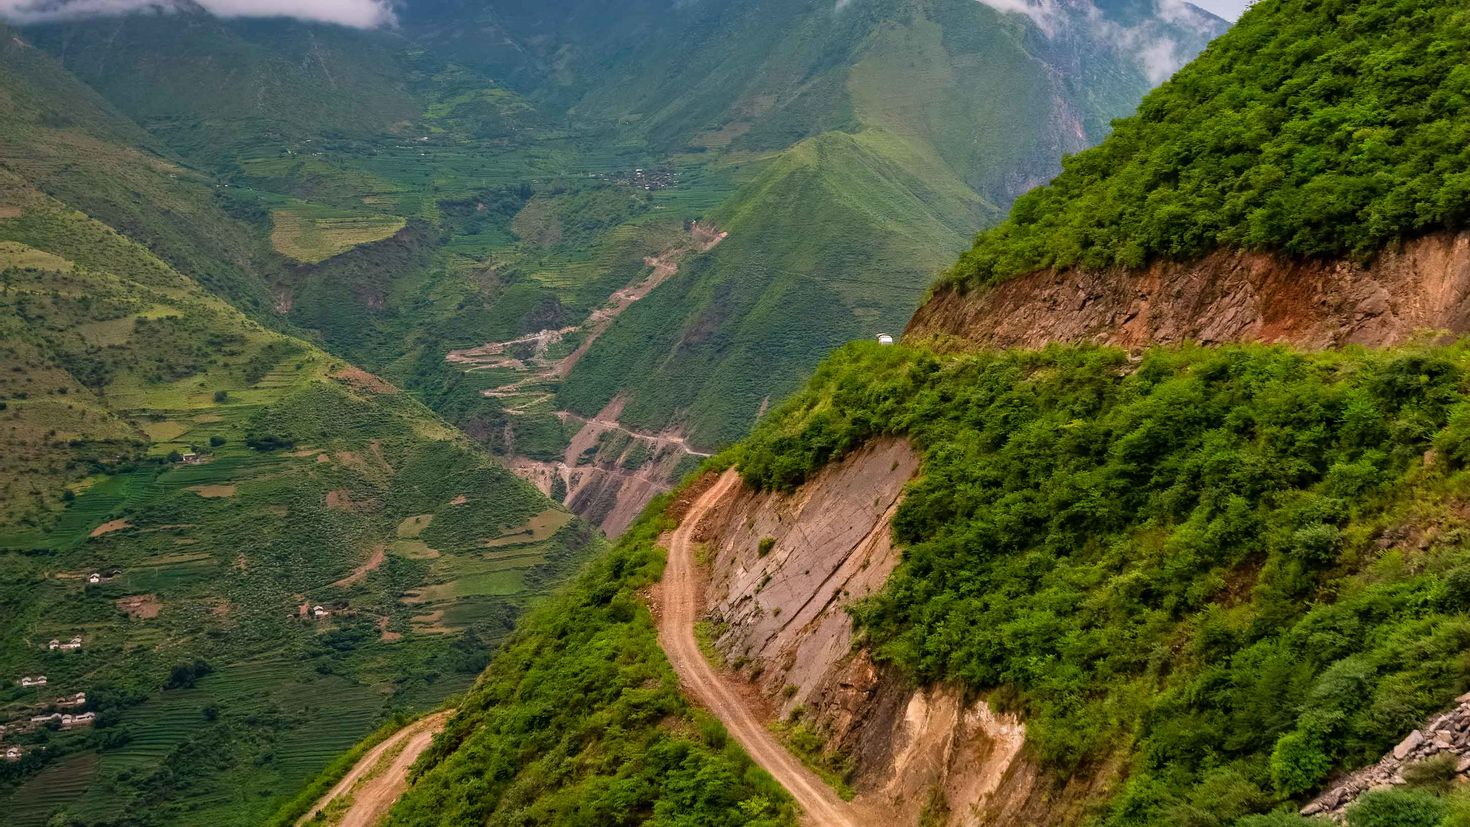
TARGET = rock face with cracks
x,y
782,571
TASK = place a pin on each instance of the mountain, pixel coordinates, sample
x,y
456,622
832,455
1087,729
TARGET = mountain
x,y
487,176
184,486
1156,516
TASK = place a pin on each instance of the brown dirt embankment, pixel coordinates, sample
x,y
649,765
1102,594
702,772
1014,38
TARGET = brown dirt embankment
x,y
369,789
781,571
1227,296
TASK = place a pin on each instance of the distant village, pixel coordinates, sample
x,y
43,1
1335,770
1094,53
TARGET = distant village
x,y
62,712
650,180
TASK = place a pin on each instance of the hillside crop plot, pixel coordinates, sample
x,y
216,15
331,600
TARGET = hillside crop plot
x,y
310,233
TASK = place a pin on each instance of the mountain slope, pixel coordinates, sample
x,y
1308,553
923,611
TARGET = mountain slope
x,y
1190,585
182,486
537,157
935,115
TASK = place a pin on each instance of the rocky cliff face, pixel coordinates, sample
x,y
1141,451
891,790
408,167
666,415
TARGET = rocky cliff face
x,y
1227,296
783,569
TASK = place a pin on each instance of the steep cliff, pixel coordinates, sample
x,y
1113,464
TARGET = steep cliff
x,y
783,570
1226,296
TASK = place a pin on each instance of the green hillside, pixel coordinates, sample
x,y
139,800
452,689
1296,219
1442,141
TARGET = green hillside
x,y
885,131
579,720
1229,571
926,119
65,139
294,80
217,693
1312,128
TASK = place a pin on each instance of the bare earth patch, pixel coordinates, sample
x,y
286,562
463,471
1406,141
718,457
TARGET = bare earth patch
x,y
9,212
374,560
340,499
140,606
213,491
109,527
460,500
362,380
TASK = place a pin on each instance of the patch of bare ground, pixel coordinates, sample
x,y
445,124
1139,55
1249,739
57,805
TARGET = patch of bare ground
x,y
9,212
459,500
375,559
364,381
109,527
140,606
214,491
340,499
385,634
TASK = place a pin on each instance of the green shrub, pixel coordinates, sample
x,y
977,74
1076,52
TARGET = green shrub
x,y
1397,808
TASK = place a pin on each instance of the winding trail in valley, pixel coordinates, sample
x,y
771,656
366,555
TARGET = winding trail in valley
x,y
679,610
380,776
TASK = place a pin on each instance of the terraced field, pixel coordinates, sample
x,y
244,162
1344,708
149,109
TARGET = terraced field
x,y
260,478
312,234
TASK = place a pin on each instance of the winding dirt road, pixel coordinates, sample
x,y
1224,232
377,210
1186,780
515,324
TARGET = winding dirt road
x,y
679,604
380,776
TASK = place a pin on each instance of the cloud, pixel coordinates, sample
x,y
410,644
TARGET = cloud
x,y
1157,54
359,14
1045,14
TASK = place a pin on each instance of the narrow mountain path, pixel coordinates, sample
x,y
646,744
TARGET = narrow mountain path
x,y
379,777
679,604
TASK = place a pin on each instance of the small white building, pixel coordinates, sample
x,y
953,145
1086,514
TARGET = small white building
x,y
83,719
319,612
79,699
94,578
28,681
13,753
885,339
46,719
70,646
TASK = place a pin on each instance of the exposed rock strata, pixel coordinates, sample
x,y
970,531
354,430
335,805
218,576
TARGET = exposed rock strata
x,y
1227,296
781,618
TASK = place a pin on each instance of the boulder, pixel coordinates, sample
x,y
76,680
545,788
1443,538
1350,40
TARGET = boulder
x,y
1408,745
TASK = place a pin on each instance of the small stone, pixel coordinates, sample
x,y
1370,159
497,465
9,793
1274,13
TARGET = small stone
x,y
1407,745
1463,765
1311,809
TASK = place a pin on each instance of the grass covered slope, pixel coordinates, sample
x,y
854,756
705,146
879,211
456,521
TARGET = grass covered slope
x,y
579,721
1228,572
216,692
1314,127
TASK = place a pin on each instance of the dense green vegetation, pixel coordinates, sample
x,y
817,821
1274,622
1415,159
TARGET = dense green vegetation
x,y
1314,127
579,721
1236,569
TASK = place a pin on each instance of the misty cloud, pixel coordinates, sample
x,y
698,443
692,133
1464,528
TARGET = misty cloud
x,y
359,14
1157,54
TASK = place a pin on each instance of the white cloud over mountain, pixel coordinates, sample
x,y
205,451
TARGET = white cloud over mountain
x,y
361,14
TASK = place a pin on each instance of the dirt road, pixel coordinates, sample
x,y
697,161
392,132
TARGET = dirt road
x,y
679,605
380,776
